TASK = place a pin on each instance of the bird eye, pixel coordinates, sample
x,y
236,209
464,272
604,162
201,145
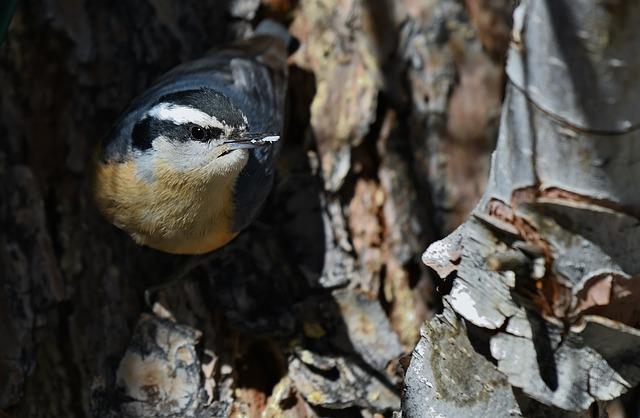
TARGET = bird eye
x,y
198,133
215,133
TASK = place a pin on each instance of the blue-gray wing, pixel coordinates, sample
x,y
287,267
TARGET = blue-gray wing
x,y
253,75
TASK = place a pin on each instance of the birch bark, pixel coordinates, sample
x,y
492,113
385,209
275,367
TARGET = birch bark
x,y
544,273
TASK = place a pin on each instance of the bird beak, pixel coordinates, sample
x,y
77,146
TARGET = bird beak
x,y
250,140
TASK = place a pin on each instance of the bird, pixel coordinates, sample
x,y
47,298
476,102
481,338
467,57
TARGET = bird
x,y
190,162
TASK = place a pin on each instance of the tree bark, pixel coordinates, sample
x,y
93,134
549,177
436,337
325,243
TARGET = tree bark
x,y
544,272
308,312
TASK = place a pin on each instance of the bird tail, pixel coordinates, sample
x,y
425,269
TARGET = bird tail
x,y
272,28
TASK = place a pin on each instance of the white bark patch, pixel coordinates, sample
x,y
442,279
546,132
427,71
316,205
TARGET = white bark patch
x,y
463,303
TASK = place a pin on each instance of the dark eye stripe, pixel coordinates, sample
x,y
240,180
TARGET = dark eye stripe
x,y
215,133
148,129
141,136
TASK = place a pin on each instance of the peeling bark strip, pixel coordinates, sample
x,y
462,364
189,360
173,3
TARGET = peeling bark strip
x,y
547,266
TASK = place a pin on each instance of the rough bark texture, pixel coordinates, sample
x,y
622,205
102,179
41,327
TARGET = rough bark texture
x,y
393,109
544,273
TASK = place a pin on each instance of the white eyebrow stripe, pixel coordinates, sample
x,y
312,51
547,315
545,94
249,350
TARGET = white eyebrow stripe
x,y
184,114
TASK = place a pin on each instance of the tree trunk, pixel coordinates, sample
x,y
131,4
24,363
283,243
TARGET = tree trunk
x,y
393,113
544,273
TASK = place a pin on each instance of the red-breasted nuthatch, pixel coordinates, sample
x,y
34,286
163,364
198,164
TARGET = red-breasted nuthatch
x,y
191,161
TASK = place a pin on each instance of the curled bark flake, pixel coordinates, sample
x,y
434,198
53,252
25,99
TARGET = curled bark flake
x,y
550,359
443,256
160,373
369,329
562,375
343,385
490,290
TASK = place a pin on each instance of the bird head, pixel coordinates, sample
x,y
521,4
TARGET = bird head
x,y
193,131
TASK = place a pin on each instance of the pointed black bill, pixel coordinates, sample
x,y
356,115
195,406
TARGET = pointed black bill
x,y
251,140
